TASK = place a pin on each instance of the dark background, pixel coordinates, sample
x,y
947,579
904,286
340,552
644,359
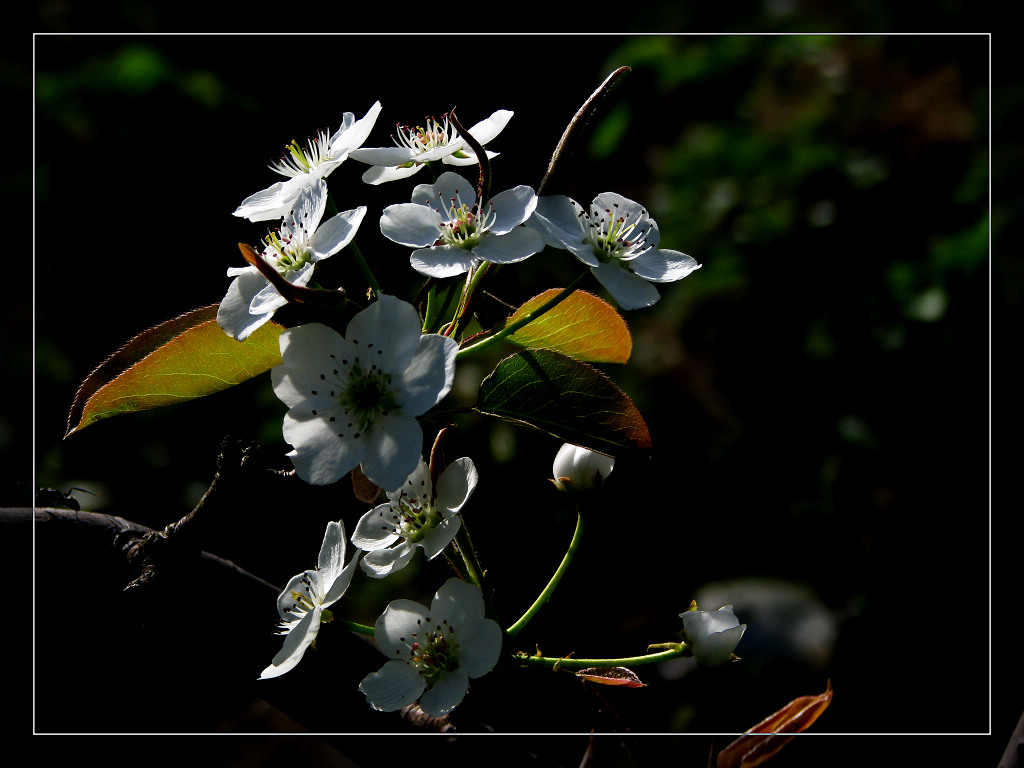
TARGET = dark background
x,y
818,393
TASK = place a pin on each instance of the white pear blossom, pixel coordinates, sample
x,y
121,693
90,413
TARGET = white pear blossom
x,y
618,240
353,399
303,601
451,233
435,652
293,250
576,468
712,635
415,146
417,515
302,167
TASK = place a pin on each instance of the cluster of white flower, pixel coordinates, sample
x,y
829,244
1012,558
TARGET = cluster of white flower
x,y
355,398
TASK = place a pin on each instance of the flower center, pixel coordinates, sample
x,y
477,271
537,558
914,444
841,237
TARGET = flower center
x,y
434,651
465,225
436,133
286,253
297,160
413,519
614,237
366,396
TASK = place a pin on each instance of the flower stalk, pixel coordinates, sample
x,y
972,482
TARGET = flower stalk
x,y
546,593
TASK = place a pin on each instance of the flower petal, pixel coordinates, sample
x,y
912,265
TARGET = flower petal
x,y
456,484
521,243
233,314
629,290
439,537
378,174
411,224
479,647
559,219
664,266
460,602
447,693
374,529
511,208
442,261
295,644
394,629
430,375
335,233
320,457
383,155
394,447
384,562
394,686
385,334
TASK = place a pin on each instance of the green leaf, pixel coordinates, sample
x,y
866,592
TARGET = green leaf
x,y
568,399
582,326
181,359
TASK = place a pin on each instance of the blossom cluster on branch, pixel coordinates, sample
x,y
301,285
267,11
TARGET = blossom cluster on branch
x,y
358,378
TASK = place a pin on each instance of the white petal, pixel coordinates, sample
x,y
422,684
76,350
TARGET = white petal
x,y
440,537
448,187
460,602
442,261
295,644
384,562
511,208
394,628
352,134
396,685
383,155
331,561
664,266
429,376
447,693
491,126
456,484
629,290
335,233
385,334
341,584
521,243
275,201
233,313
375,529
557,217
393,447
320,457
411,224
479,647
617,206
378,174
286,602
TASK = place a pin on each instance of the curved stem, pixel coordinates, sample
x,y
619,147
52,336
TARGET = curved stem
x,y
511,328
545,595
628,661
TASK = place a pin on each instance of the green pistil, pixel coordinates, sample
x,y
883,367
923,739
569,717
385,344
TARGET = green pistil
x,y
367,396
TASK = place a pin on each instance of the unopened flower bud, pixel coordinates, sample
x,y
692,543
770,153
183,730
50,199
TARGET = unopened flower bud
x,y
577,469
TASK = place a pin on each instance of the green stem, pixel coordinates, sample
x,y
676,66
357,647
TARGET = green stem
x,y
545,595
473,567
362,629
628,661
526,319
367,272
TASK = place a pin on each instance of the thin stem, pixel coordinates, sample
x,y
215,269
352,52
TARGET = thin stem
x,y
511,328
472,283
465,546
365,268
353,626
545,595
627,661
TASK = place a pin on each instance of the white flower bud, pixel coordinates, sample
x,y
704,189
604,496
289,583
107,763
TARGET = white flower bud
x,y
577,469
